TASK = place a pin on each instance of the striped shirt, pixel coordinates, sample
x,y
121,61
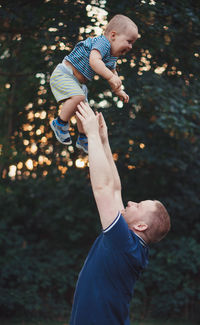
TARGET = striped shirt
x,y
79,56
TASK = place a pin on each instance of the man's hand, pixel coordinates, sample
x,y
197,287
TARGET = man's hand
x,y
88,119
103,131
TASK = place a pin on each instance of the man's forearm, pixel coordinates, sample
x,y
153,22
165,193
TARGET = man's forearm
x,y
113,168
100,169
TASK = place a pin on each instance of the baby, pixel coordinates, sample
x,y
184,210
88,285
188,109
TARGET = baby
x,y
95,55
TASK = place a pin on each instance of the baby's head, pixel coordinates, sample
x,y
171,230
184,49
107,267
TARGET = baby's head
x,y
122,33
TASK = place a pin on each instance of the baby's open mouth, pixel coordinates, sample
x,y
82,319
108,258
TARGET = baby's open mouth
x,y
124,52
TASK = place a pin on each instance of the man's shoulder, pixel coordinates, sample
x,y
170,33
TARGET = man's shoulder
x,y
115,221
119,234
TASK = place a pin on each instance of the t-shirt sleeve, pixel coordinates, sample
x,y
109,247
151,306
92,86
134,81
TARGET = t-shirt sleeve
x,y
114,64
102,46
118,235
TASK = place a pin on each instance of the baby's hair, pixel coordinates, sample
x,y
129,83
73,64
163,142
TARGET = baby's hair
x,y
160,224
119,23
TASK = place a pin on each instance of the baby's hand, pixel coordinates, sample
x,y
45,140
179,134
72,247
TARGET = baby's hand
x,y
115,82
122,95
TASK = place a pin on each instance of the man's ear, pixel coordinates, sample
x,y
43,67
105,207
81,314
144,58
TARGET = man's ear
x,y
140,226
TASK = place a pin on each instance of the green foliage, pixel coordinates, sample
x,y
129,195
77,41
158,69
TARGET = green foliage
x,y
173,276
48,216
44,238
31,38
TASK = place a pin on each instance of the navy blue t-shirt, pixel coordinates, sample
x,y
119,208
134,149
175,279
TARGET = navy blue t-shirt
x,y
106,282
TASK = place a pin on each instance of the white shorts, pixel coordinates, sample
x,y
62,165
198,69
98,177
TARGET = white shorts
x,y
64,84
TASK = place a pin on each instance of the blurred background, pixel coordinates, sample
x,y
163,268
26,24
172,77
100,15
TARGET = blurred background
x,y
48,217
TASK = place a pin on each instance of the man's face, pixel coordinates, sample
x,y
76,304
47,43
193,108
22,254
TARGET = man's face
x,y
135,212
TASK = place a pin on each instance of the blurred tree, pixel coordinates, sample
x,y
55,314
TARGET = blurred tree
x,y
159,141
35,36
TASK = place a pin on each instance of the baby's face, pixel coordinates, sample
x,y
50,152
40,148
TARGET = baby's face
x,y
121,43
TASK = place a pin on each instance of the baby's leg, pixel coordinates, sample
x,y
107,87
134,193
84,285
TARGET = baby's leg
x,y
67,111
60,125
69,107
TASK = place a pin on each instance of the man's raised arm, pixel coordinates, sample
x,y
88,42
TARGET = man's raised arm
x,y
101,169
105,141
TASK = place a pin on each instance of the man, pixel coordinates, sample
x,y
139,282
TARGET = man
x,y
117,257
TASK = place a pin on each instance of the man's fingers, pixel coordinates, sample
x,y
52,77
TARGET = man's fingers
x,y
97,114
86,108
81,108
84,112
102,119
81,118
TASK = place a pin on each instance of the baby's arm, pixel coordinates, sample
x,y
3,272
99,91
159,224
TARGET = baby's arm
x,y
100,68
120,92
122,95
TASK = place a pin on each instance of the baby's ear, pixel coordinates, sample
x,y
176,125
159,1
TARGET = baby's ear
x,y
113,34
